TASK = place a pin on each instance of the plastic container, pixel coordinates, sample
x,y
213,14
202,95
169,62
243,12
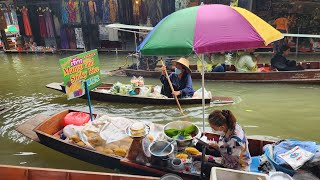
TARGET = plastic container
x,y
279,176
278,167
230,174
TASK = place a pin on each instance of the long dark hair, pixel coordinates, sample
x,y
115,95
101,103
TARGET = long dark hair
x,y
220,118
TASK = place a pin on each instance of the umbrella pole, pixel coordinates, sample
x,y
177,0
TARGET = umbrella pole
x,y
175,97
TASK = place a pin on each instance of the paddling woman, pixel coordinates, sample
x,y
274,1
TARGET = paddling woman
x,y
232,145
180,79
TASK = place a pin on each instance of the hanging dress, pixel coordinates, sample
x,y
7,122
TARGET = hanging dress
x,y
92,10
49,26
14,17
56,25
26,22
77,11
20,23
64,38
72,12
42,24
64,13
105,11
113,10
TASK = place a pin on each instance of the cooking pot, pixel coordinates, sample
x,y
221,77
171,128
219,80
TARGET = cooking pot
x,y
160,159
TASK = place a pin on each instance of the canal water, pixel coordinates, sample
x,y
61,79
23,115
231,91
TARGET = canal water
x,y
277,110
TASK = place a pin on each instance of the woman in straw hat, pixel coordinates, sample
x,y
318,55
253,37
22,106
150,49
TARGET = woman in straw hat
x,y
180,79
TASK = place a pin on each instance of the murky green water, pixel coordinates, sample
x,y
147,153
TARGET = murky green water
x,y
279,110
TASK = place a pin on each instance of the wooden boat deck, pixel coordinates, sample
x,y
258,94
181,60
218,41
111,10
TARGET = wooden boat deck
x,y
30,173
28,126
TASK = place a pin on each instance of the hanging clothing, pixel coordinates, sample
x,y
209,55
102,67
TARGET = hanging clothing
x,y
77,11
103,32
71,38
168,7
154,11
181,4
72,12
113,4
20,23
105,11
143,14
49,26
136,5
42,24
92,9
56,25
64,39
64,13
113,34
125,11
14,17
26,22
79,37
8,20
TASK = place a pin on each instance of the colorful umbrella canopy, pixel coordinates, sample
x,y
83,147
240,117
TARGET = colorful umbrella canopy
x,y
12,29
208,28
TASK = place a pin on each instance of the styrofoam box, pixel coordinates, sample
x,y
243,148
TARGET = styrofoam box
x,y
230,174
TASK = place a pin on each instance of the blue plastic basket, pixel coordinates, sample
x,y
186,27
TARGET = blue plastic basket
x,y
278,167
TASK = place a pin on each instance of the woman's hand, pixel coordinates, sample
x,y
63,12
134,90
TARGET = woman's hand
x,y
213,146
163,70
176,93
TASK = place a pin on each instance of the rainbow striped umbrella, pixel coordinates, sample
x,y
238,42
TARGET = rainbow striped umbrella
x,y
208,28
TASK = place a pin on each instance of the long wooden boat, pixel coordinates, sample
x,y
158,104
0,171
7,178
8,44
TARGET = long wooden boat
x,y
31,173
99,95
311,74
45,129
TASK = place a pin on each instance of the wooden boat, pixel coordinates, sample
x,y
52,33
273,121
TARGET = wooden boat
x,y
311,74
31,173
45,129
99,95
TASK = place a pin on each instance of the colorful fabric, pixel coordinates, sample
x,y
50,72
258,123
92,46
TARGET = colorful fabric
x,y
26,22
42,24
72,12
49,25
105,11
208,28
56,25
92,9
64,12
234,149
184,85
113,10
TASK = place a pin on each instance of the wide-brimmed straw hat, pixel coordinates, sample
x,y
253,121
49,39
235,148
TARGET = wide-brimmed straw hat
x,y
184,62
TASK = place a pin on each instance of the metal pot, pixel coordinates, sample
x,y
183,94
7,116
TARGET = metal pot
x,y
160,159
180,125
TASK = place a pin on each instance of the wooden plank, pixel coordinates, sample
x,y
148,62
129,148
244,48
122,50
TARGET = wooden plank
x,y
27,127
31,173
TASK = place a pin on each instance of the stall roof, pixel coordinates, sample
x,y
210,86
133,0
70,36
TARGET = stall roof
x,y
127,27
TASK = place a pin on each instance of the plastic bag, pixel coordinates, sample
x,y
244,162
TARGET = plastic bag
x,y
76,118
296,157
137,82
198,94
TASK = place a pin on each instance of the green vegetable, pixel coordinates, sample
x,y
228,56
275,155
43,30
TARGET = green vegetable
x,y
181,134
189,130
172,132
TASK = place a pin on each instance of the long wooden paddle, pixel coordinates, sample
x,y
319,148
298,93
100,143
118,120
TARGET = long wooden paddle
x,y
175,97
